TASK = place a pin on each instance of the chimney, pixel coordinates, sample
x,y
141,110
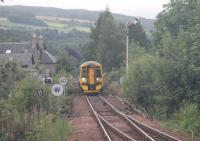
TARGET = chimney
x,y
34,40
41,42
41,48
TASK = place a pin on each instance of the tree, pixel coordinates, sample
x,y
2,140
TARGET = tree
x,y
177,15
107,44
177,38
9,74
138,35
171,76
138,86
66,62
88,52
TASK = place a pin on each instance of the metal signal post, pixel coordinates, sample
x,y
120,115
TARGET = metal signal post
x,y
127,41
128,24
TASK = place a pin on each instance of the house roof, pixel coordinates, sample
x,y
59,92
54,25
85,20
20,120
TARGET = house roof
x,y
23,59
48,58
16,48
23,53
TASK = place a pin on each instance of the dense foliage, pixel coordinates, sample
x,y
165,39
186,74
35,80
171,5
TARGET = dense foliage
x,y
138,35
107,44
25,18
9,74
67,62
14,35
25,115
165,77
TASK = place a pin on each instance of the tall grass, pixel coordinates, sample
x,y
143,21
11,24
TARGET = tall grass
x,y
49,128
186,120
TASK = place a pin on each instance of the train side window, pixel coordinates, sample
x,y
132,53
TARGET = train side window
x,y
84,72
98,71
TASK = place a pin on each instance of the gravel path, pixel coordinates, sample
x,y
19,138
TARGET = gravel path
x,y
85,127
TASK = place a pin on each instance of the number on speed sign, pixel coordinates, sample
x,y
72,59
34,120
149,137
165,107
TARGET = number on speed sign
x,y
63,81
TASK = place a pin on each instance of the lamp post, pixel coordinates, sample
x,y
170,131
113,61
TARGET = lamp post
x,y
128,24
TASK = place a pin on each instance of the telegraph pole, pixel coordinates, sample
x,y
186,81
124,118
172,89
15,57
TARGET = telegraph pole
x,y
127,41
128,24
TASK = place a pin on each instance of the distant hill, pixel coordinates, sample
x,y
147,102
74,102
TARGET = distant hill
x,y
68,14
61,28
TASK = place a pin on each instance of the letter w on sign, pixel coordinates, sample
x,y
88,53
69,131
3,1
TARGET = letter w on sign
x,y
40,92
57,89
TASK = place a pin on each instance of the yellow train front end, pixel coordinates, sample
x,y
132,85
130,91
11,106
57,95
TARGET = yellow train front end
x,y
91,78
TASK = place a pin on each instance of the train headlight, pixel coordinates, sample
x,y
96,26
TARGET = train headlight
x,y
98,79
84,80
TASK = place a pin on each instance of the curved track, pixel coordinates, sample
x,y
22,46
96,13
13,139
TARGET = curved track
x,y
154,133
117,125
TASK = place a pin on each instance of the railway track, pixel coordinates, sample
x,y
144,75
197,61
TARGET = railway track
x,y
117,125
130,108
110,122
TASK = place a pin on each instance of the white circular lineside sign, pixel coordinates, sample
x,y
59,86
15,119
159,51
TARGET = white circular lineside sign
x,y
63,81
57,89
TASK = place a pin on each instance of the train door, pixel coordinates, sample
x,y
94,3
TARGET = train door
x,y
91,75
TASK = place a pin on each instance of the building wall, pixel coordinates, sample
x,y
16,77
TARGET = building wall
x,y
47,69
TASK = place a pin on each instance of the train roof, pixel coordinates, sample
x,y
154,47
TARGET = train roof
x,y
90,63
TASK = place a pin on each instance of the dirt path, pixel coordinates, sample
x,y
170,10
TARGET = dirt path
x,y
85,127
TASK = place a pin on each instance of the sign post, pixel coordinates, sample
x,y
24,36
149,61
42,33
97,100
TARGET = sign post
x,y
40,93
57,90
63,81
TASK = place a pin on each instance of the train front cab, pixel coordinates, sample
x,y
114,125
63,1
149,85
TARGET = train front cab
x,y
91,79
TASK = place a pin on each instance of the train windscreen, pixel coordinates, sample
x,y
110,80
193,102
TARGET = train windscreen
x,y
84,72
98,72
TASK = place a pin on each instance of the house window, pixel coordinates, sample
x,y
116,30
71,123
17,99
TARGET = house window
x,y
8,51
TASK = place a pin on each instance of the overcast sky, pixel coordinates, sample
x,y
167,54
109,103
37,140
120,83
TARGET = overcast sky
x,y
140,8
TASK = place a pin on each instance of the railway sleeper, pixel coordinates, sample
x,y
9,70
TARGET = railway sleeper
x,y
155,132
143,134
115,130
105,133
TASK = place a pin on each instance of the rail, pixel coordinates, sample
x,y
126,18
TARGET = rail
x,y
139,124
99,121
114,129
162,134
138,108
129,121
120,133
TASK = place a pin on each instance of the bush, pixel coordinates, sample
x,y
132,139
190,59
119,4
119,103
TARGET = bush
x,y
188,118
24,95
9,75
49,128
23,118
115,88
138,86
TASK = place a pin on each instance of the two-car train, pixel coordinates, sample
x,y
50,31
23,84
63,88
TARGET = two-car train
x,y
91,77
